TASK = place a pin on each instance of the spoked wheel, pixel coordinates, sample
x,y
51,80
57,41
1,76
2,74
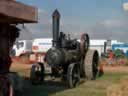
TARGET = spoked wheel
x,y
37,74
73,75
6,88
91,64
16,84
11,90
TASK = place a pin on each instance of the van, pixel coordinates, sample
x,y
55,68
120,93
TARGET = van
x,y
22,47
41,45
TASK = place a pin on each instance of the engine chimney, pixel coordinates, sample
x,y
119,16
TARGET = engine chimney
x,y
105,45
56,25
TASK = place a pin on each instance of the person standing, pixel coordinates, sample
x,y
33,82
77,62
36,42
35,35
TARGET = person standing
x,y
111,57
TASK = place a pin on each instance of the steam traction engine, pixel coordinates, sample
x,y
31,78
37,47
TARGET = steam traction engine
x,y
70,59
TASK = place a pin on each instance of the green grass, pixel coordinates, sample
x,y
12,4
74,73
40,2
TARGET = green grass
x,y
88,88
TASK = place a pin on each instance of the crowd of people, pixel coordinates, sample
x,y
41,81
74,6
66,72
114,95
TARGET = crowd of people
x,y
115,57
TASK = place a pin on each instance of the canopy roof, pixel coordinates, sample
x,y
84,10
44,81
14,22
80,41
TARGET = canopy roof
x,y
16,12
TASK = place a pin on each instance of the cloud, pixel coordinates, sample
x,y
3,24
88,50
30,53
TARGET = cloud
x,y
104,29
38,30
112,23
125,6
110,29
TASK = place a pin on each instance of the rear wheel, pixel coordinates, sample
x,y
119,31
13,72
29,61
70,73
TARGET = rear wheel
x,y
11,90
16,84
91,64
6,88
73,75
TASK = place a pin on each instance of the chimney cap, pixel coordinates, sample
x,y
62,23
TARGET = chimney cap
x,y
56,13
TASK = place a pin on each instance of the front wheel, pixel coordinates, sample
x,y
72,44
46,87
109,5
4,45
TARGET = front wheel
x,y
37,73
73,75
11,90
6,88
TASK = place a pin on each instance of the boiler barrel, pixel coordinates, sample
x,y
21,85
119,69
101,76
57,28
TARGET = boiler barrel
x,y
59,57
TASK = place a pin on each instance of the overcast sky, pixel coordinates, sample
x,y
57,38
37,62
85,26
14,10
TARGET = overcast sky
x,y
101,19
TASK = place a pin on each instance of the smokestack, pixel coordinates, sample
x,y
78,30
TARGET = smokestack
x,y
105,46
56,25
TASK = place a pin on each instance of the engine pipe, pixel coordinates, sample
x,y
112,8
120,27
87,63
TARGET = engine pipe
x,y
56,25
105,45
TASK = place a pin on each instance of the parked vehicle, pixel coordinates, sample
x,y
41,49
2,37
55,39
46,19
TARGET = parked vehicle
x,y
39,48
22,47
41,45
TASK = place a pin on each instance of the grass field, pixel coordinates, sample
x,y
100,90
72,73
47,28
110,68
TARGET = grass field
x,y
88,88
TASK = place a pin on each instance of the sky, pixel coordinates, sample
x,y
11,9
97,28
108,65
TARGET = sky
x,y
101,19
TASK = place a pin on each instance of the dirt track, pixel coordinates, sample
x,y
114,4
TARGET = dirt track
x,y
118,69
16,66
23,69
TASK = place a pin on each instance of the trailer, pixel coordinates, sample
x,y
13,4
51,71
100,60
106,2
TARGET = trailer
x,y
12,13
